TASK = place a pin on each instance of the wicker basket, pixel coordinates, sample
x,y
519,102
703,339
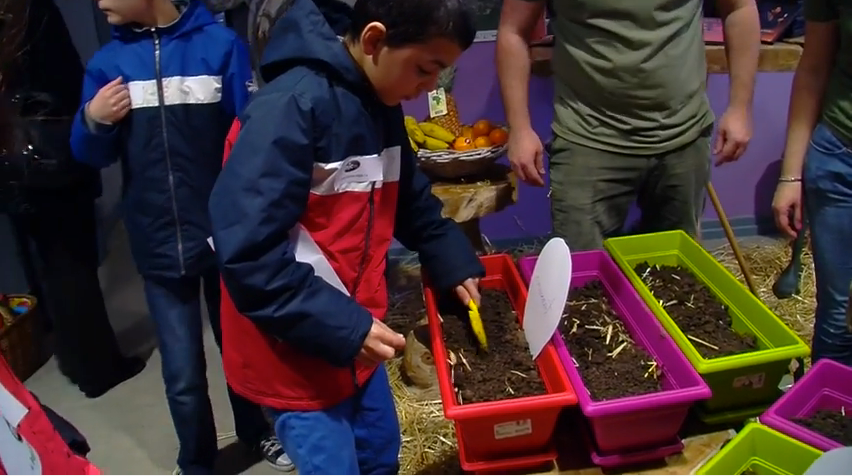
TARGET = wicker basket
x,y
452,164
22,341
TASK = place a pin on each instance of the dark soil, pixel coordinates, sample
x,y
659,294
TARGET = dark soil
x,y
507,370
696,311
830,424
611,365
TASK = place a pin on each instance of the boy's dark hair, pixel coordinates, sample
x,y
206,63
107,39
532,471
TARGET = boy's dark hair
x,y
416,21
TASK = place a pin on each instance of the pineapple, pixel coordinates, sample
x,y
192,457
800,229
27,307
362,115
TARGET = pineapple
x,y
449,121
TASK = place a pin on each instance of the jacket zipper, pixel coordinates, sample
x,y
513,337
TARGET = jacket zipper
x,y
162,99
371,202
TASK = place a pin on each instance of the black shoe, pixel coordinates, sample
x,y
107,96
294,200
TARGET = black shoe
x,y
124,370
273,453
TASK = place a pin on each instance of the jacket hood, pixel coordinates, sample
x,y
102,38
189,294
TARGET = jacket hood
x,y
291,33
193,16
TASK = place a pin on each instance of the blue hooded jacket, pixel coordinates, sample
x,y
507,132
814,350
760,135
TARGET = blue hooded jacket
x,y
187,82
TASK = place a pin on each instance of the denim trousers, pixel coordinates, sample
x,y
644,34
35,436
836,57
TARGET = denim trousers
x,y
827,178
175,307
358,436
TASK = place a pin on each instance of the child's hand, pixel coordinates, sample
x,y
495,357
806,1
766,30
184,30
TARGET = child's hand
x,y
381,344
111,103
468,290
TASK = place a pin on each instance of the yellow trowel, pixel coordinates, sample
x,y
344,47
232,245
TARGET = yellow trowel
x,y
476,325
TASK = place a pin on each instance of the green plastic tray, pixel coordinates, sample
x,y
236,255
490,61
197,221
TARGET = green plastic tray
x,y
737,381
761,450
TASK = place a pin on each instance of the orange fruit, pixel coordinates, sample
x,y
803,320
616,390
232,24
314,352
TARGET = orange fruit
x,y
467,131
498,136
462,144
481,128
482,142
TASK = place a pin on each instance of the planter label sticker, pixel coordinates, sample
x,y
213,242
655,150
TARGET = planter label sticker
x,y
548,292
437,103
511,429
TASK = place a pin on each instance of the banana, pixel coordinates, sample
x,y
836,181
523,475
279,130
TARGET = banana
x,y
436,132
410,121
413,130
413,145
434,144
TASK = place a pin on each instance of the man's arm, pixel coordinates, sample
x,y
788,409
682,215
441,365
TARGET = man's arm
x,y
518,19
258,199
742,47
809,82
444,251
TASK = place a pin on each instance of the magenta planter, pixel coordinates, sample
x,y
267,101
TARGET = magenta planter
x,y
632,424
826,386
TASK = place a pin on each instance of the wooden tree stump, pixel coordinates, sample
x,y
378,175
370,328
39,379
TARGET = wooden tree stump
x,y
470,199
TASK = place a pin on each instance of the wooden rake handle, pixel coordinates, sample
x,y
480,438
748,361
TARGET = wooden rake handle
x,y
732,239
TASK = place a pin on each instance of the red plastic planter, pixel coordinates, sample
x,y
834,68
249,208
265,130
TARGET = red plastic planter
x,y
527,464
501,429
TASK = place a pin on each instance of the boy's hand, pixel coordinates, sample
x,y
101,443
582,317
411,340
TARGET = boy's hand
x,y
381,344
111,103
468,290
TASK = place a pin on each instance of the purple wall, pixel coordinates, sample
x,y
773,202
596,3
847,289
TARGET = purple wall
x,y
745,188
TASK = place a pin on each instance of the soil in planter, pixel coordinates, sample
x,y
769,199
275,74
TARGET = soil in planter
x,y
610,363
698,313
507,369
834,425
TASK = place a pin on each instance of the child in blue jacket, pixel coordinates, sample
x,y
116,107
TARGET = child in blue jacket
x,y
161,96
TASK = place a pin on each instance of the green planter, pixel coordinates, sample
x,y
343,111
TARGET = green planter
x,y
737,381
761,450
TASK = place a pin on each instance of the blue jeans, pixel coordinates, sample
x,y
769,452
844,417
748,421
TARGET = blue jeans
x,y
175,307
827,179
358,436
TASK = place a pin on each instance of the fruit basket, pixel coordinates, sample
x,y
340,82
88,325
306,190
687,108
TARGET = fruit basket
x,y
760,450
446,148
621,392
22,336
817,410
509,404
746,349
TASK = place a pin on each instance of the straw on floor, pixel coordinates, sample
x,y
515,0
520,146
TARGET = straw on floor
x,y
767,259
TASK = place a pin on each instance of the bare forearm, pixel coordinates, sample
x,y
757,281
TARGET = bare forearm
x,y
742,47
513,71
805,106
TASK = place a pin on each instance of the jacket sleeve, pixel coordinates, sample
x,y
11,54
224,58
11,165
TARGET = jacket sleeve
x,y
445,252
91,143
259,197
237,79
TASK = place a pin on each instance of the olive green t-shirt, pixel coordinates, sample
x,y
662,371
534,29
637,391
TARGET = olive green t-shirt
x,y
629,76
837,101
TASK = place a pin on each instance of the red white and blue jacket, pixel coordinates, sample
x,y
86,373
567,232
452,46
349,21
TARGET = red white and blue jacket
x,y
319,179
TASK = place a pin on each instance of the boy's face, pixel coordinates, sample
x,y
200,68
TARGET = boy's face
x,y
404,73
119,12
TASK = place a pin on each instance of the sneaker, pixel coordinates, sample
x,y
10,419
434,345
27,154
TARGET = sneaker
x,y
273,453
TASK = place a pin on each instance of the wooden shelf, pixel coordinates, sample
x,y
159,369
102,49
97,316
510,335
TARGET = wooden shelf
x,y
776,57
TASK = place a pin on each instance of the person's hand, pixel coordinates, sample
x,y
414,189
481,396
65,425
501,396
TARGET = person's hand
x,y
787,207
468,290
111,103
526,156
381,344
733,135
